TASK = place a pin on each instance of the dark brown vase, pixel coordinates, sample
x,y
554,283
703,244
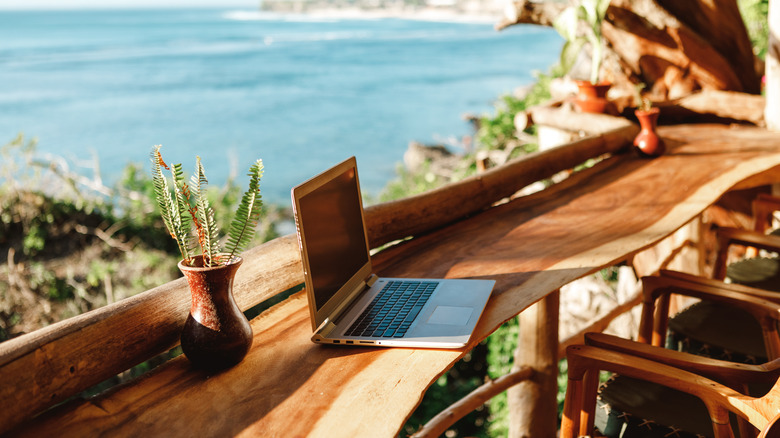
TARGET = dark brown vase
x,y
647,142
592,98
216,335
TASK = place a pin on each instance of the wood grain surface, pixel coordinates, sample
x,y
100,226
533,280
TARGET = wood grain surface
x,y
288,386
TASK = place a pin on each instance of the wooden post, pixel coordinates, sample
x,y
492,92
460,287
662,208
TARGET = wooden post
x,y
772,72
533,406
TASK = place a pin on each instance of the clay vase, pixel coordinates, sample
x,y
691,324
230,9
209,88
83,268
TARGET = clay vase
x,y
647,142
592,98
216,334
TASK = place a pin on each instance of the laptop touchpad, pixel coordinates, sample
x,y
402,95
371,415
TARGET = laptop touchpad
x,y
450,315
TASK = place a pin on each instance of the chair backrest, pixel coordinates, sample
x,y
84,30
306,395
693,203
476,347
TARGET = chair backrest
x,y
764,207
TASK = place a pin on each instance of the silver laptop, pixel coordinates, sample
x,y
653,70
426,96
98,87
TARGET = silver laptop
x,y
350,305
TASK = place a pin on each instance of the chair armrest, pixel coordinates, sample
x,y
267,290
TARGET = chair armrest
x,y
756,292
582,358
731,374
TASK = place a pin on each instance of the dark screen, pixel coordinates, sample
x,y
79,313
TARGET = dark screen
x,y
333,228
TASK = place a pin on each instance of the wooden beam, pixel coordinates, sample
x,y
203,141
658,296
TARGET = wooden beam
x,y
431,210
715,104
533,405
567,119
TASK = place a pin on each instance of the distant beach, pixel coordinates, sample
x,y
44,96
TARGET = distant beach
x,y
421,14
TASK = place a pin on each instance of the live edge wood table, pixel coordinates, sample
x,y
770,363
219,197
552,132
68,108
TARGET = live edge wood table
x,y
288,387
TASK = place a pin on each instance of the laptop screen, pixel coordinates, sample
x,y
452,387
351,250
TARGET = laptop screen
x,y
331,218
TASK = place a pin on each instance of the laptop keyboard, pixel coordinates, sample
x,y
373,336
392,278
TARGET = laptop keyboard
x,y
393,310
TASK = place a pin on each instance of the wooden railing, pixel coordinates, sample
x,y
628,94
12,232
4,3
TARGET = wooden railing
x,y
48,366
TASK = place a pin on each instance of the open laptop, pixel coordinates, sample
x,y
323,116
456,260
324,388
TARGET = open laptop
x,y
345,296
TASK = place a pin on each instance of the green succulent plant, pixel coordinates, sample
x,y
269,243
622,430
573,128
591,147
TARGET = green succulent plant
x,y
189,218
591,13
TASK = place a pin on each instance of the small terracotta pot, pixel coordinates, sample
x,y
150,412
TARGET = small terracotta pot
x,y
647,142
216,334
592,98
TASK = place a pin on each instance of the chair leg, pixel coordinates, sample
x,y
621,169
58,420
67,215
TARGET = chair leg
x,y
647,321
771,338
721,259
721,427
661,321
572,406
588,409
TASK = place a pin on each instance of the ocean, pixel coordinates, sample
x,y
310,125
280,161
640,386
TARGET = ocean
x,y
231,86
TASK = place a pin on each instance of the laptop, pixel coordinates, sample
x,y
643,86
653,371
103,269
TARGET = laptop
x,y
349,304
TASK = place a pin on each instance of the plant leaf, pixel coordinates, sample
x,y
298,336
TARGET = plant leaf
x,y
181,218
566,24
570,52
242,228
203,216
173,217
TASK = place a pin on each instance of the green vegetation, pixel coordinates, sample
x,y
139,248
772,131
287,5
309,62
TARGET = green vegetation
x,y
69,244
754,13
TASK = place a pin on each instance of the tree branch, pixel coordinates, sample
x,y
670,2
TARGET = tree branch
x,y
476,398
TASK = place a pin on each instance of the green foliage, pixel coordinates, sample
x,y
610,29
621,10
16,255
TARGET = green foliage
x,y
754,14
501,347
188,206
465,376
203,214
592,13
35,239
173,215
243,227
410,183
497,131
43,279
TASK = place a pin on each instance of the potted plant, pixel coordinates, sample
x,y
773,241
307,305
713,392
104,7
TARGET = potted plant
x,y
592,93
647,142
216,334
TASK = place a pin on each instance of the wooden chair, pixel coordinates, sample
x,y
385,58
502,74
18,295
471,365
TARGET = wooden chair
x,y
715,326
691,377
634,404
761,272
721,331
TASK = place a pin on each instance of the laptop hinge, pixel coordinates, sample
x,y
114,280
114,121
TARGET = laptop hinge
x,y
325,329
330,323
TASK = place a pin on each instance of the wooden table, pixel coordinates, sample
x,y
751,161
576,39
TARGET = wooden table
x,y
287,386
